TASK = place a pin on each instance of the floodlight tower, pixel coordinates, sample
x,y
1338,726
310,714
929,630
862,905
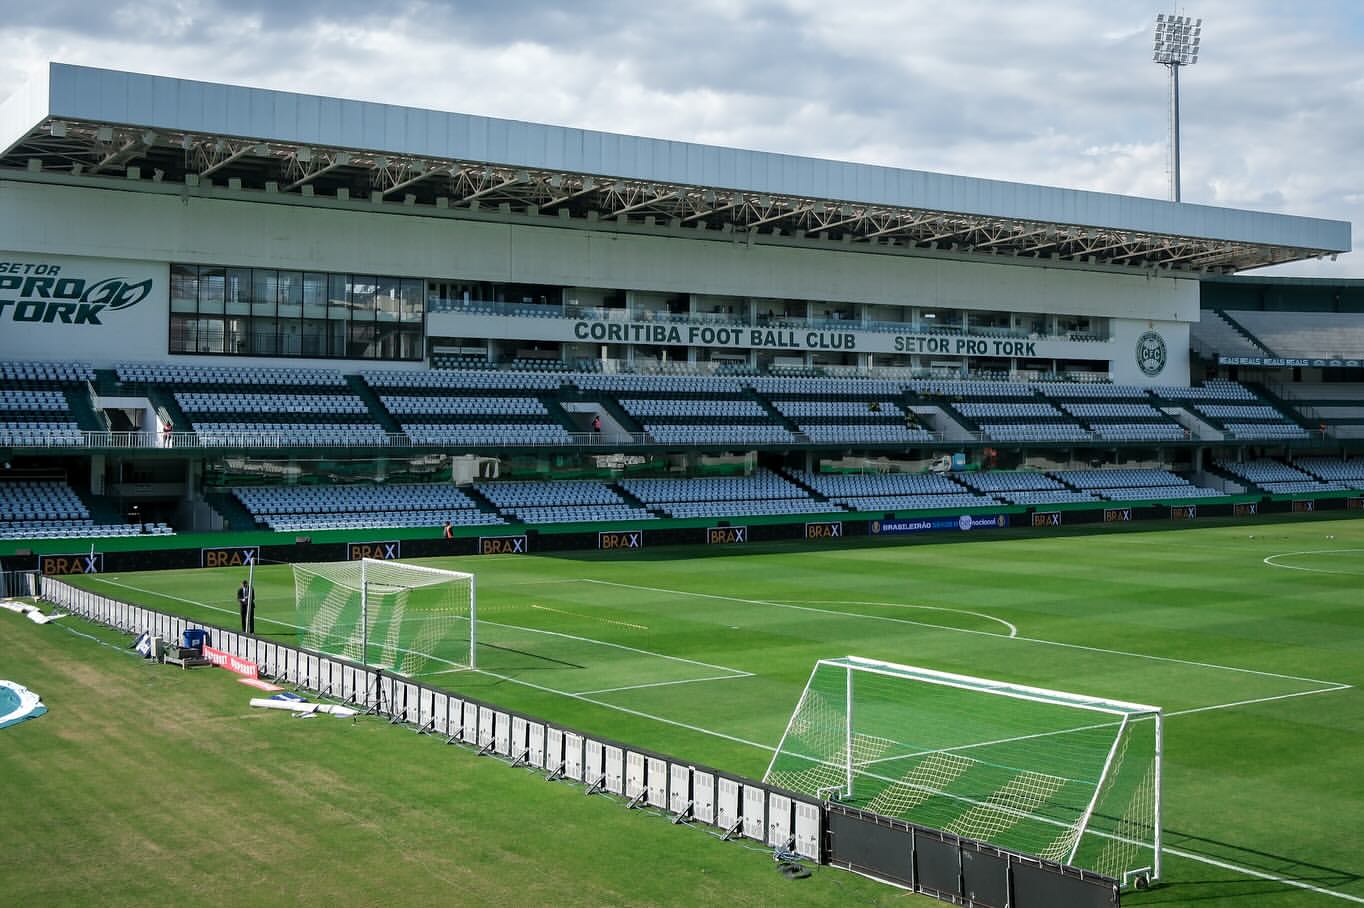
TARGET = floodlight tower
x,y
1177,39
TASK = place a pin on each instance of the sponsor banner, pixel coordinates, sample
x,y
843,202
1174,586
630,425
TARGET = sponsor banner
x,y
1184,512
620,539
379,551
1288,361
243,667
1046,518
232,556
826,530
1245,509
726,535
1304,506
927,524
71,308
503,545
761,338
57,565
1117,515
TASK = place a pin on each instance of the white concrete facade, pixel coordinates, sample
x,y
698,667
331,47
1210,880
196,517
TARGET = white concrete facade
x,y
100,234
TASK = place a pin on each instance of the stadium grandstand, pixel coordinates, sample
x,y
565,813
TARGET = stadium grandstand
x,y
499,324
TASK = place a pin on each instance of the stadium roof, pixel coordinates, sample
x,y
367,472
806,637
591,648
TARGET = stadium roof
x,y
87,125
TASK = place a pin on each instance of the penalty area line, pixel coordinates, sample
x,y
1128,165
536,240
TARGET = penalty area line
x,y
612,690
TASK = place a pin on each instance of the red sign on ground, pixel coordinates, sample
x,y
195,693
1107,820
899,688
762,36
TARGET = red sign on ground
x,y
231,662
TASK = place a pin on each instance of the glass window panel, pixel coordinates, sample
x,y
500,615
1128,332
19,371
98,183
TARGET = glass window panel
x,y
289,332
263,341
410,344
182,331
290,294
237,291
315,295
238,341
362,289
210,335
338,297
336,333
313,341
184,288
361,341
265,290
387,298
414,298
211,280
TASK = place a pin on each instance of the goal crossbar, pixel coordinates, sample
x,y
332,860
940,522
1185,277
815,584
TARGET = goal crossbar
x,y
987,685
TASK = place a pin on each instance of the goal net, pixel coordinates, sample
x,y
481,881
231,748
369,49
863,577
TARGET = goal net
x,y
401,617
1064,777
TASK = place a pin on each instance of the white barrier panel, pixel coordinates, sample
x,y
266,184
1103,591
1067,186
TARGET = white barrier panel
x,y
778,820
554,749
485,727
469,734
454,716
535,744
573,756
502,734
615,769
656,777
703,796
727,804
755,803
426,708
807,830
634,774
679,788
593,769
518,738
411,703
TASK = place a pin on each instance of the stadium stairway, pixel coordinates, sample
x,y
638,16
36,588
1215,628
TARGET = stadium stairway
x,y
1289,412
376,407
792,477
231,510
633,501
83,410
774,414
1244,332
103,511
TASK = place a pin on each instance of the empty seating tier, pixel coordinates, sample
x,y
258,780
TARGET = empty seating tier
x,y
430,405
292,508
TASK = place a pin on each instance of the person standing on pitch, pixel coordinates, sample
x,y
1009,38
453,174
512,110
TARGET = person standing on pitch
x,y
246,600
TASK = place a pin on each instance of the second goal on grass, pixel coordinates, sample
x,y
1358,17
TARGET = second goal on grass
x,y
402,617
1061,776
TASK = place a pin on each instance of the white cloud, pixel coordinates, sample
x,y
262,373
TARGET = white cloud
x,y
1052,92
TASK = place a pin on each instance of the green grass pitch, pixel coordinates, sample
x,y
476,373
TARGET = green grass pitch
x,y
1251,637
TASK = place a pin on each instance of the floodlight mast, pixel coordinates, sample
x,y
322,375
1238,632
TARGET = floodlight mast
x,y
1176,44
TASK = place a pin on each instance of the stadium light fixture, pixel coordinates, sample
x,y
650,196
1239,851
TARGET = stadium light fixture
x,y
1177,40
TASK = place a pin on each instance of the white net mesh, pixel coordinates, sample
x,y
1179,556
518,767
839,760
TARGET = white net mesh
x,y
1064,777
404,618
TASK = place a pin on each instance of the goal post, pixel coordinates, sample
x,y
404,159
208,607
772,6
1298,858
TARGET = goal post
x,y
1062,776
406,618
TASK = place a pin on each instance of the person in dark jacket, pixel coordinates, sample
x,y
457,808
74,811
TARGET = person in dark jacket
x,y
246,600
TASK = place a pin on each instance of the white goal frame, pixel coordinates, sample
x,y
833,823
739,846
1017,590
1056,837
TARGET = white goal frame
x,y
320,569
1122,710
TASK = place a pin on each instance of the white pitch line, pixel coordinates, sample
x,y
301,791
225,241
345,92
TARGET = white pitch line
x,y
612,690
1260,874
625,709
1301,693
1013,630
644,652
966,630
546,608
1296,567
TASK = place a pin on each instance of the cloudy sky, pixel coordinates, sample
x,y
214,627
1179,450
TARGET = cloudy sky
x,y
1053,92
